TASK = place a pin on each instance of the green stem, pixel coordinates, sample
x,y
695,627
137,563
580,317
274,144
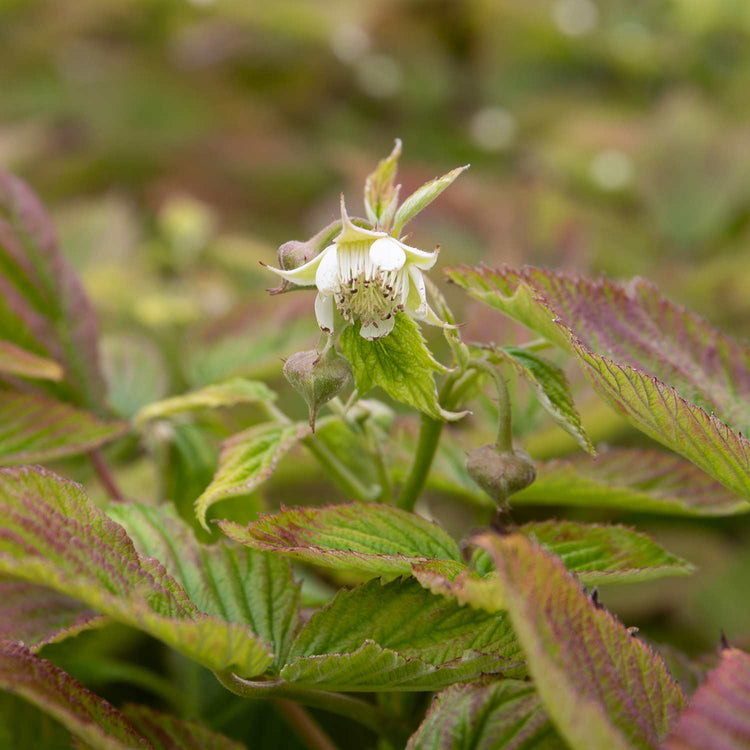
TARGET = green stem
x,y
376,451
105,476
504,439
304,726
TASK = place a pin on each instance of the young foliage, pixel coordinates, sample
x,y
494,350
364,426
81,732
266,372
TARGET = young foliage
x,y
92,720
485,715
718,715
601,686
233,583
247,460
17,361
399,363
56,537
675,377
34,427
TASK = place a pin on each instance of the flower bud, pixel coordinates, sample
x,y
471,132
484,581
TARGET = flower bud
x,y
500,474
317,377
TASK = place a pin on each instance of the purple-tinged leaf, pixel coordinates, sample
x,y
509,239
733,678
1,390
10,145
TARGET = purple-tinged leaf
x,y
718,715
650,481
601,686
43,307
486,715
17,361
672,375
365,537
35,615
35,428
54,536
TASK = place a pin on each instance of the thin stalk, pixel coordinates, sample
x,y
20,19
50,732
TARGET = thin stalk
x,y
504,439
376,451
304,726
105,476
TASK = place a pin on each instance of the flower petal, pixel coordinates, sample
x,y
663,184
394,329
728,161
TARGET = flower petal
x,y
387,254
327,275
416,301
324,312
303,275
419,258
350,232
373,331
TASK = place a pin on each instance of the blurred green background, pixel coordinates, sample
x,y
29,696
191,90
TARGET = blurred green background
x,y
178,142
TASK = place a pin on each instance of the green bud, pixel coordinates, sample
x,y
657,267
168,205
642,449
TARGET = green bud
x,y
500,474
317,377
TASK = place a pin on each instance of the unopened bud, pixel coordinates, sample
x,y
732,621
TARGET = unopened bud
x,y
317,377
500,474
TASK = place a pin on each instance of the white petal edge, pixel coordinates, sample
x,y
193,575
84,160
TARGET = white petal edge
x,y
374,331
324,312
387,254
303,275
327,275
416,302
419,258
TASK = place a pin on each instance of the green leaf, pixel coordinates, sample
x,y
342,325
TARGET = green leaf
x,y
24,727
229,393
34,427
650,481
672,375
400,363
601,686
56,537
422,197
93,720
43,307
234,583
247,460
486,715
718,716
551,388
35,615
398,636
364,537
17,361
381,196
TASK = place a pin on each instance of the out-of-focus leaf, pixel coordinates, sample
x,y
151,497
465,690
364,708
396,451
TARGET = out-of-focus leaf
x,y
234,583
675,377
365,537
421,198
24,727
718,715
93,720
35,615
398,636
601,686
17,361
247,460
486,715
648,481
229,393
400,363
551,388
56,537
34,427
43,308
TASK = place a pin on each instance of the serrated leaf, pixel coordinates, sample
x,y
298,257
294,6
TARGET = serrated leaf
x,y
34,427
247,460
718,715
365,537
35,616
601,686
400,363
551,388
672,375
381,196
93,720
422,197
398,636
234,583
43,308
54,536
17,361
229,393
486,715
650,481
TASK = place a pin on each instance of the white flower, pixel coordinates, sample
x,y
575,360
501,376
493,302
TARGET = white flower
x,y
369,276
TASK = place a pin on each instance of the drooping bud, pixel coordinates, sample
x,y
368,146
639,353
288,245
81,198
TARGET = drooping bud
x,y
318,377
500,474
